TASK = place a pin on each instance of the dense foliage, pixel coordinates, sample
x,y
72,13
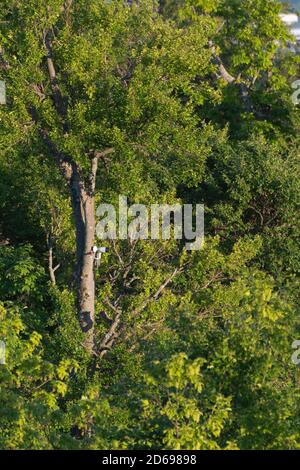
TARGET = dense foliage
x,y
192,350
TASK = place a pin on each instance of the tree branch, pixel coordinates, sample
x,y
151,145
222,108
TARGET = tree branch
x,y
64,163
59,101
155,296
103,153
230,79
50,260
94,167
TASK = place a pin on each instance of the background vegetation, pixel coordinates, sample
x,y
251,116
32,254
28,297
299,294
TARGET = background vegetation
x,y
190,351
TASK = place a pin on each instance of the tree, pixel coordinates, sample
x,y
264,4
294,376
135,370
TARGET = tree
x,y
30,388
162,102
85,86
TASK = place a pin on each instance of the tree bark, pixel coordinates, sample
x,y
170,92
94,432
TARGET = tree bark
x,y
87,280
84,215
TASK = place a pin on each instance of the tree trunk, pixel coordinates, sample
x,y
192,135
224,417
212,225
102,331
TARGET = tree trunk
x,y
84,215
87,281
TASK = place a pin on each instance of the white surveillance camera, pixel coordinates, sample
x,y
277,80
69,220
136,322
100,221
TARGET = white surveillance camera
x,y
101,249
98,253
